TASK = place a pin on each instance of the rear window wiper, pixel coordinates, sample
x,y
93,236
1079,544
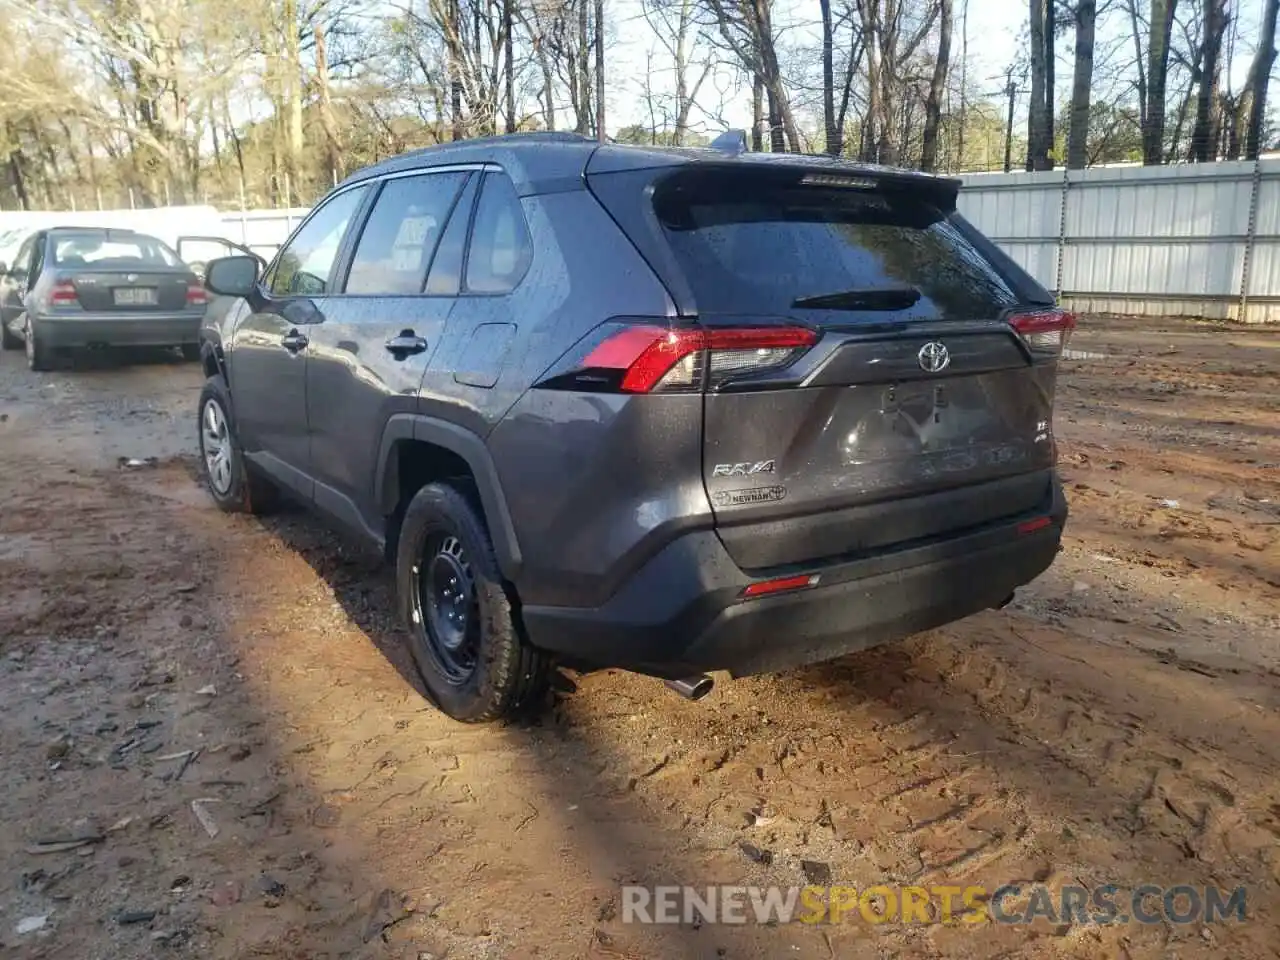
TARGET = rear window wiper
x,y
864,298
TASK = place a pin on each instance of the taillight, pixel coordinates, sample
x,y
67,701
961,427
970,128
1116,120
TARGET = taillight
x,y
762,588
62,293
197,296
653,358
1031,526
1044,331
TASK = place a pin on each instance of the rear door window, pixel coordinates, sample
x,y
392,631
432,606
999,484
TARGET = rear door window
x,y
500,250
445,279
401,235
750,247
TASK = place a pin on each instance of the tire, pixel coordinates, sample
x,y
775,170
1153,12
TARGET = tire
x,y
234,487
191,352
490,672
39,357
8,339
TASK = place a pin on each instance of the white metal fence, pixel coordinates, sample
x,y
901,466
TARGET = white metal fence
x,y
1192,240
1189,240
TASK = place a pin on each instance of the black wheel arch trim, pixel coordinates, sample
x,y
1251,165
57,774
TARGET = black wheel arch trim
x,y
471,448
210,347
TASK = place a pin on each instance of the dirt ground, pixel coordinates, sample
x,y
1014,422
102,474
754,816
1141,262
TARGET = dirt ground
x,y
1120,723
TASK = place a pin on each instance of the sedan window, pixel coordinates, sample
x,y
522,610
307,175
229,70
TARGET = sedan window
x,y
96,250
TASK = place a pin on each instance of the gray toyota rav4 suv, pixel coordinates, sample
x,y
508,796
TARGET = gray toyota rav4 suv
x,y
667,410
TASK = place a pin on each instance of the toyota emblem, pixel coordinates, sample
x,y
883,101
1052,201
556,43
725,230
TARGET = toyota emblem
x,y
934,357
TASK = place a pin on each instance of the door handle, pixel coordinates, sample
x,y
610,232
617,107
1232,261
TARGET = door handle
x,y
294,341
406,343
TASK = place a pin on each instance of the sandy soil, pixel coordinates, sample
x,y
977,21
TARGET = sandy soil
x,y
1120,723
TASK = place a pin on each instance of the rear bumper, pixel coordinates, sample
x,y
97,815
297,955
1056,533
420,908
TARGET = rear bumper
x,y
127,330
682,612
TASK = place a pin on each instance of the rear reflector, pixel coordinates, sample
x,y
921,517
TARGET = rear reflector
x,y
1031,526
196,295
62,292
652,358
781,585
1044,331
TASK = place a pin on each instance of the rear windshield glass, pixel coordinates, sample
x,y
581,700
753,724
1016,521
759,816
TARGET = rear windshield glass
x,y
97,250
747,248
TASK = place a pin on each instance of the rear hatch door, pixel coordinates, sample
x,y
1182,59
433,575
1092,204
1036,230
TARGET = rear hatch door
x,y
918,412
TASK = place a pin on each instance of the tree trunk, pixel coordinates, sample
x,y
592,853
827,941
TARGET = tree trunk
x,y
508,44
15,170
1204,136
833,132
584,70
1259,75
871,125
964,82
785,121
1050,103
1157,75
1038,111
453,45
757,113
291,89
600,130
933,105
1081,86
1233,111
333,145
777,139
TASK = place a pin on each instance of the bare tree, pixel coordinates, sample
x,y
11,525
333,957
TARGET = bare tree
x,y
1085,16
1204,137
1259,77
747,31
1153,124
1040,111
933,106
893,31
676,30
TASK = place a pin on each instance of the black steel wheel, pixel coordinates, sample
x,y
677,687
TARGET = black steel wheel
x,y
447,605
464,633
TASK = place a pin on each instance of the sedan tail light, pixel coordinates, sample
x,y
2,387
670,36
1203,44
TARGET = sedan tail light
x,y
63,292
653,357
197,296
1044,331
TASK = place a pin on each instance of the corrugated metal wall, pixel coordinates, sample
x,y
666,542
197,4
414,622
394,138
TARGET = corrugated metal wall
x,y
1171,241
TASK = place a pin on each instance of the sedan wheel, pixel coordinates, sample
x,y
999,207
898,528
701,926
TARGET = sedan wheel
x,y
37,352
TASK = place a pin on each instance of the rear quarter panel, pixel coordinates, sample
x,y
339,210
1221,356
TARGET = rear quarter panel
x,y
594,482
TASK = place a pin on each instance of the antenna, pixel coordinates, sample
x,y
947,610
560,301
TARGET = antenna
x,y
732,142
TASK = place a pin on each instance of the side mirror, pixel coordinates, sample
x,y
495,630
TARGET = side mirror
x,y
231,276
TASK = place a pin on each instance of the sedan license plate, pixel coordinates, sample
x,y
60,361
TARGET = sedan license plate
x,y
134,296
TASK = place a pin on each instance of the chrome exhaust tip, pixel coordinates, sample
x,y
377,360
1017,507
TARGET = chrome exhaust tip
x,y
691,688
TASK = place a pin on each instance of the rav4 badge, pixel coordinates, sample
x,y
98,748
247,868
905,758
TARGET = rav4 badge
x,y
743,469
